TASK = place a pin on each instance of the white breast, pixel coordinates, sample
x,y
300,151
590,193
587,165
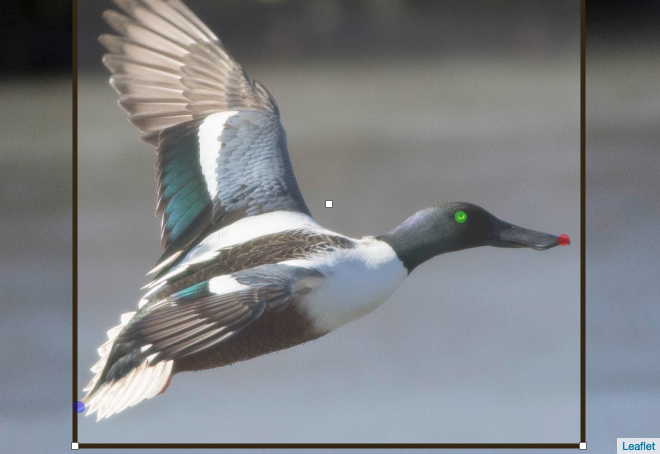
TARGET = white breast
x,y
356,282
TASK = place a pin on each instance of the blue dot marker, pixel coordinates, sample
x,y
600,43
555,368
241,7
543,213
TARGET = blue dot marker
x,y
79,407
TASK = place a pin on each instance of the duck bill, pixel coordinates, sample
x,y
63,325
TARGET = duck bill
x,y
509,235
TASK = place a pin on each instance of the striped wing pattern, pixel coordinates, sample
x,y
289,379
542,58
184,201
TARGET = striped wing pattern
x,y
179,325
221,148
293,244
221,157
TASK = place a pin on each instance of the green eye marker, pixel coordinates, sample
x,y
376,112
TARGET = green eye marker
x,y
461,217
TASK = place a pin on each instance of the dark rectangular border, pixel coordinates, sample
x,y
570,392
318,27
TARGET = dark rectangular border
x,y
583,179
74,206
74,336
331,445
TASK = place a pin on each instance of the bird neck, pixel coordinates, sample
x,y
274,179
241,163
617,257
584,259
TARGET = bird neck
x,y
418,239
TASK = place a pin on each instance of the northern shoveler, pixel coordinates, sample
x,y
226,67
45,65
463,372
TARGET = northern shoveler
x,y
245,270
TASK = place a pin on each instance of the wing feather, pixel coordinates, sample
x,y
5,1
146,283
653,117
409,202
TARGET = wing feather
x,y
140,359
172,73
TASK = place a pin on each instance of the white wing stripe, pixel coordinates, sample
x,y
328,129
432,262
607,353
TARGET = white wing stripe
x,y
222,285
241,231
210,147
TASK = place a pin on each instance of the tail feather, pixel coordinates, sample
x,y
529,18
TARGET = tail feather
x,y
143,382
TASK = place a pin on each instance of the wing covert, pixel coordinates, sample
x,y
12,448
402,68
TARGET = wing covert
x,y
200,316
221,148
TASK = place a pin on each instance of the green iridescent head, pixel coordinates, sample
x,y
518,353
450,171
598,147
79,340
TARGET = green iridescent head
x,y
444,228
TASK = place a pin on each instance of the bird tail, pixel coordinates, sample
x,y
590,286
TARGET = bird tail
x,y
142,382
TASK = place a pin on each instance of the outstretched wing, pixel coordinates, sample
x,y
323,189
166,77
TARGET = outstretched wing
x,y
221,148
137,362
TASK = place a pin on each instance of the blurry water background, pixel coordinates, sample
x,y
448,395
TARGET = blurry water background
x,y
389,107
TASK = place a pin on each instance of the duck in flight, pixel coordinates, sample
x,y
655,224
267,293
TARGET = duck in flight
x,y
245,269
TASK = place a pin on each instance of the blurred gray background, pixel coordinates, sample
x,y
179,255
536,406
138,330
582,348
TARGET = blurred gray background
x,y
478,346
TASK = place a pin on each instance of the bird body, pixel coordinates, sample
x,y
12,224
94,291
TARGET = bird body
x,y
245,269
309,281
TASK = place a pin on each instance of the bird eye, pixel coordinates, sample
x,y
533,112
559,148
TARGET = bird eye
x,y
460,217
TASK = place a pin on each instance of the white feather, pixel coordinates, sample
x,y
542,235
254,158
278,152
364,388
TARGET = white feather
x,y
143,382
112,332
222,285
136,386
241,231
165,262
356,282
125,318
210,147
249,228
